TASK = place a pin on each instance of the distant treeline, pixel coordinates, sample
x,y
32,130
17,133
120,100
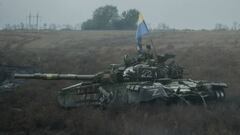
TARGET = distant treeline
x,y
108,18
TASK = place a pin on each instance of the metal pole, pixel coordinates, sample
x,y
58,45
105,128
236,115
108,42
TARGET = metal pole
x,y
30,17
37,17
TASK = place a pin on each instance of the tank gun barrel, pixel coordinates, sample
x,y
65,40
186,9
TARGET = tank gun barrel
x,y
55,76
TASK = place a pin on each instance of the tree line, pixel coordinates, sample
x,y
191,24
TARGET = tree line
x,y
108,18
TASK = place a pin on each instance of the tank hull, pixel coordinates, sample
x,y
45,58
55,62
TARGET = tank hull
x,y
127,93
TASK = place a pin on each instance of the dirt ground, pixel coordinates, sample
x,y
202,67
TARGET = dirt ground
x,y
32,108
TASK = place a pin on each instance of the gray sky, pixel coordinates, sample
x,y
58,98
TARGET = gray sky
x,y
195,14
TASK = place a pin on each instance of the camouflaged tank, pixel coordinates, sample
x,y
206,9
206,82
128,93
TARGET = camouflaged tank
x,y
141,79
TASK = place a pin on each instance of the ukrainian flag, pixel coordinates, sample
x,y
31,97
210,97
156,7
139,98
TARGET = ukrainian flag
x,y
141,30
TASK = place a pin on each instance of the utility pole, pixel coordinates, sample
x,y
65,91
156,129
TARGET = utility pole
x,y
29,20
37,19
26,24
33,23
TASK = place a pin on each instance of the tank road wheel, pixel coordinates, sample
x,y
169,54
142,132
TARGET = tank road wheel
x,y
220,94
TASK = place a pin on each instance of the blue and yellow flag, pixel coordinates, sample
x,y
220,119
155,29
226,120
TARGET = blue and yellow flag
x,y
141,30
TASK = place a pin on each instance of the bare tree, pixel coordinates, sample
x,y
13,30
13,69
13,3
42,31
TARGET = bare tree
x,y
22,26
235,26
52,27
220,26
163,26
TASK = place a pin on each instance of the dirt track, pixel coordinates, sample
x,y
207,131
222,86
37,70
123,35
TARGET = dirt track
x,y
32,108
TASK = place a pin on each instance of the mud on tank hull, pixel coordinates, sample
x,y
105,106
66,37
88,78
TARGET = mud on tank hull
x,y
118,94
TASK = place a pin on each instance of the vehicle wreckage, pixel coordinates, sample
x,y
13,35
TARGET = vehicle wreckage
x,y
141,79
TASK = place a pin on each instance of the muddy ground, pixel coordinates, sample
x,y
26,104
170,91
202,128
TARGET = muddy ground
x,y
32,108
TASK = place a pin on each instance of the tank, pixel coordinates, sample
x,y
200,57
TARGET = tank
x,y
140,79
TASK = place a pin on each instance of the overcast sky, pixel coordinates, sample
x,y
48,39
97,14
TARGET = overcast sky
x,y
195,14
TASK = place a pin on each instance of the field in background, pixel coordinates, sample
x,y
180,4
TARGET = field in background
x,y
213,56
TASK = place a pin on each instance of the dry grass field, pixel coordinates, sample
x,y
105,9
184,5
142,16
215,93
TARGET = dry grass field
x,y
32,108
